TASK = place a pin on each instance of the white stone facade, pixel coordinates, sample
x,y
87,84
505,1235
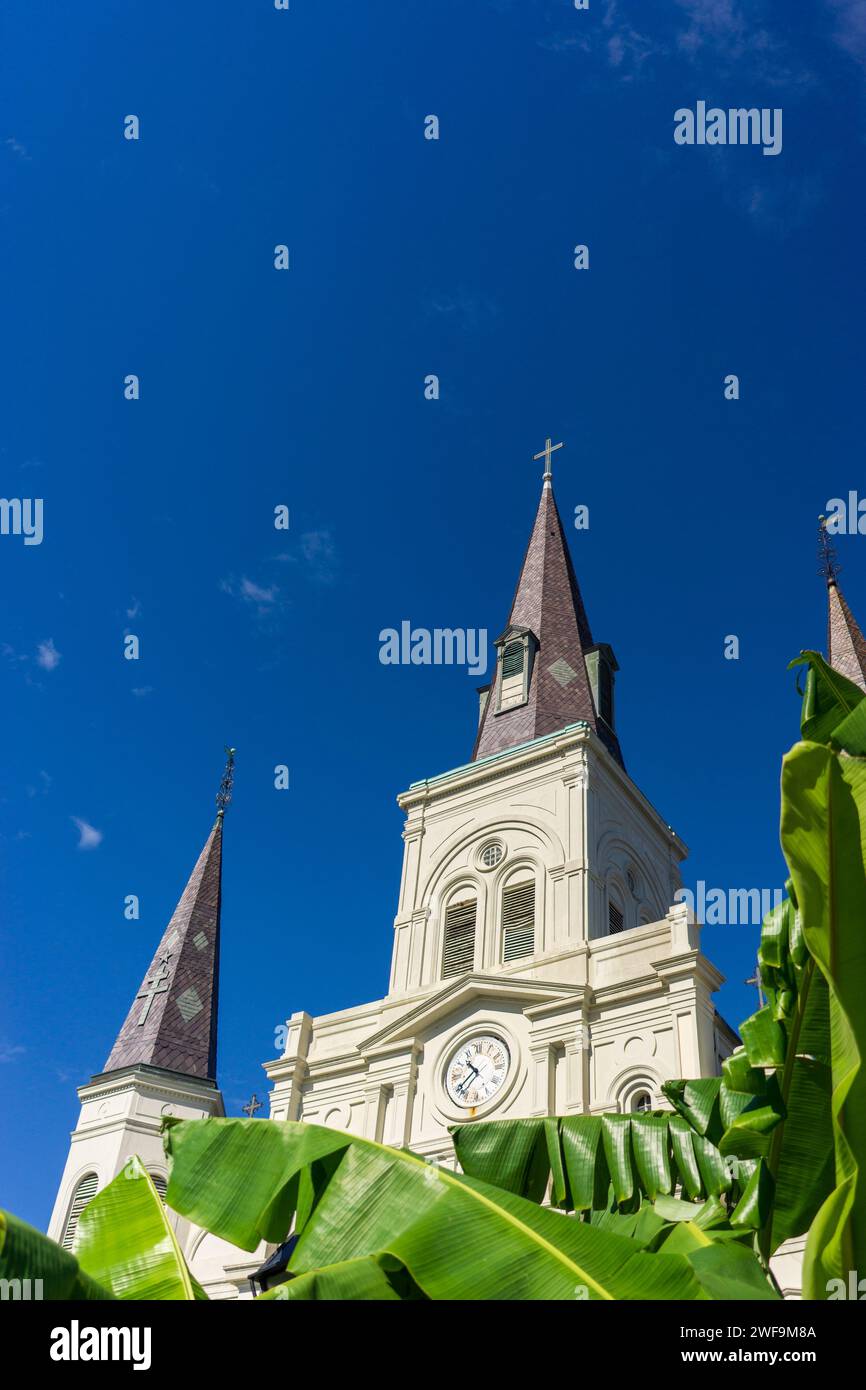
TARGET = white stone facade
x,y
591,1020
121,1118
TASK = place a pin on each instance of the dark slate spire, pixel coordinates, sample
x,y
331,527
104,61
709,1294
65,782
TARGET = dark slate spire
x,y
172,1023
548,614
846,646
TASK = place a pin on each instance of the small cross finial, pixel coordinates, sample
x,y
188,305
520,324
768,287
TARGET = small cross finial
x,y
545,454
224,795
252,1105
828,566
758,983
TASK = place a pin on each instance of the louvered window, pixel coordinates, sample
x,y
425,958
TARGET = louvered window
x,y
160,1183
513,675
512,659
518,921
84,1193
605,679
614,918
459,953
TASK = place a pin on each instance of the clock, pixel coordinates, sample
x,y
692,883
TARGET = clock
x,y
477,1071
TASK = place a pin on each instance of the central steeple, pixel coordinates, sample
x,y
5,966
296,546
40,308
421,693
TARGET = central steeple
x,y
549,672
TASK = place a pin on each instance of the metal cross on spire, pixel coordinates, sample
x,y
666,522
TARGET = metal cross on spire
x,y
828,565
158,985
224,795
758,983
252,1106
545,454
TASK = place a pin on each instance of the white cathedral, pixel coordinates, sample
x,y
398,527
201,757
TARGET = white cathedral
x,y
540,964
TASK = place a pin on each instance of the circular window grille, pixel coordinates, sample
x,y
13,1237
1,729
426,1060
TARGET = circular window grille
x,y
491,855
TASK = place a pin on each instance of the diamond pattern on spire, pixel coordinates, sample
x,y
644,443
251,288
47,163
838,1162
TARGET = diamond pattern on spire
x,y
179,1032
548,604
562,672
189,1004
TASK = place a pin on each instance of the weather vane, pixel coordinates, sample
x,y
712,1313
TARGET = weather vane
x,y
828,564
224,795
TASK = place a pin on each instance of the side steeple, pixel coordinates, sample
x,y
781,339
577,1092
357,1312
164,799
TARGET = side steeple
x,y
846,645
549,671
172,1022
164,1060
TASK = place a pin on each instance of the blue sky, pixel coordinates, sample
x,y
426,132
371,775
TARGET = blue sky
x,y
305,388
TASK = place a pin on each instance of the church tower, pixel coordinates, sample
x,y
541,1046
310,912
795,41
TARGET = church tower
x,y
846,645
163,1061
540,964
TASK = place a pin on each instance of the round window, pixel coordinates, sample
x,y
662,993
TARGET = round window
x,y
492,854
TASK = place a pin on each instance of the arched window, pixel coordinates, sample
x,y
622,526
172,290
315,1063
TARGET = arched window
x,y
641,1103
458,951
518,916
615,917
160,1183
514,662
85,1191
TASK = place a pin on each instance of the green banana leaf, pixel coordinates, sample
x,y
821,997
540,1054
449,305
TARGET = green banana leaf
x,y
770,1109
824,838
726,1270
828,699
27,1254
126,1243
594,1159
361,1280
791,1103
458,1238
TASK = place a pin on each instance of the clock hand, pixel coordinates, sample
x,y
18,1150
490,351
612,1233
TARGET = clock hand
x,y
466,1082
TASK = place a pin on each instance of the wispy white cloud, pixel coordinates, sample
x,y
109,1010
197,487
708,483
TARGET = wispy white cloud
x,y
9,1052
719,37
45,780
850,27
320,554
315,555
19,150
47,655
468,310
255,593
264,599
141,691
89,836
9,653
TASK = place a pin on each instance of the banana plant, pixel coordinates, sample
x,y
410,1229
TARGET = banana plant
x,y
824,839
125,1248
778,1141
370,1218
373,1223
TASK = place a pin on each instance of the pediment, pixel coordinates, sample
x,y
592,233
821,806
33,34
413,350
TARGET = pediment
x,y
463,991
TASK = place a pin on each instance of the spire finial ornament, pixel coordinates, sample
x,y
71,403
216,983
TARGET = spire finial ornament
x,y
829,566
224,795
545,454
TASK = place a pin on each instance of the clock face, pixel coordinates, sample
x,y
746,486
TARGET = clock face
x,y
477,1071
